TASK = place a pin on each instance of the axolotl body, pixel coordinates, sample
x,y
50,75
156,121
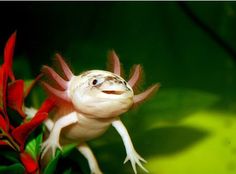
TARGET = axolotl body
x,y
87,105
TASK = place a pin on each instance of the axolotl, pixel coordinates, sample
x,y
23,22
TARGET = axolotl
x,y
87,105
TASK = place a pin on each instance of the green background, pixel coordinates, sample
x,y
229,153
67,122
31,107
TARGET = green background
x,y
189,125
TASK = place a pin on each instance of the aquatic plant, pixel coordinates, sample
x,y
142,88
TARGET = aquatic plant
x,y
15,127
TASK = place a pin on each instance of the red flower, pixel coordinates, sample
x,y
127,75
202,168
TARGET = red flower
x,y
30,165
12,96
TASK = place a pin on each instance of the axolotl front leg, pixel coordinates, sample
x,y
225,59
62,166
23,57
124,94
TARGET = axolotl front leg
x,y
52,141
132,155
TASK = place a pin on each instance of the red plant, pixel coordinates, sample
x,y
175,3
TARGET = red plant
x,y
12,96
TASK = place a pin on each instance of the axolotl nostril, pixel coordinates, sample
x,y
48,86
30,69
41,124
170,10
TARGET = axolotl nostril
x,y
87,105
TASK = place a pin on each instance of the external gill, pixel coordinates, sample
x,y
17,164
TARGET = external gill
x,y
63,84
134,78
114,60
146,94
65,68
60,81
58,93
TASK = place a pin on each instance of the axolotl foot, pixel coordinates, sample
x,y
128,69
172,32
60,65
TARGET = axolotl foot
x,y
51,143
135,158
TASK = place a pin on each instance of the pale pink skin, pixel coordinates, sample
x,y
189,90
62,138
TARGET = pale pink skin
x,y
86,109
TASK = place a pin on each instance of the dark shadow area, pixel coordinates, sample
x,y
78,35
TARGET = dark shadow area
x,y
168,106
69,164
226,104
169,140
153,143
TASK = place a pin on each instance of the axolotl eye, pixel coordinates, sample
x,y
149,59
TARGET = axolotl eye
x,y
97,81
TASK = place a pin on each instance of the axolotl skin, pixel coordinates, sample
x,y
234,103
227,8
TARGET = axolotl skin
x,y
87,105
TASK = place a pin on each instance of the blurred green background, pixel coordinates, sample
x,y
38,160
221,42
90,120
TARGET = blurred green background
x,y
189,126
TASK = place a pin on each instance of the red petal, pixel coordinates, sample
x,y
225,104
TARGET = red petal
x,y
3,142
3,87
47,105
8,55
30,164
21,132
3,124
15,96
3,83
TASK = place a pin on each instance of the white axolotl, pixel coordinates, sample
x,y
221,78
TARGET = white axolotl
x,y
87,105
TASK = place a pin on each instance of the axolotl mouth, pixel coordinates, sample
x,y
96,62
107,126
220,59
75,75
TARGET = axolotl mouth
x,y
113,92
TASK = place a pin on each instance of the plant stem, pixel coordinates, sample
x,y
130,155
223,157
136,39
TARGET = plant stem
x,y
12,143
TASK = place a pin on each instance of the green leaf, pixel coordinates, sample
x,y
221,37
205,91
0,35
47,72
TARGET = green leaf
x,y
33,146
51,167
12,169
68,171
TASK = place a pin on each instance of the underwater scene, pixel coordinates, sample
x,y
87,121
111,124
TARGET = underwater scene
x,y
118,87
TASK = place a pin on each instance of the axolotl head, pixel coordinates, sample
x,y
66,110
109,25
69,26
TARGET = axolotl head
x,y
100,93
97,93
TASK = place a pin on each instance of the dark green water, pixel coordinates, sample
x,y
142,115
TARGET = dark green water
x,y
188,126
